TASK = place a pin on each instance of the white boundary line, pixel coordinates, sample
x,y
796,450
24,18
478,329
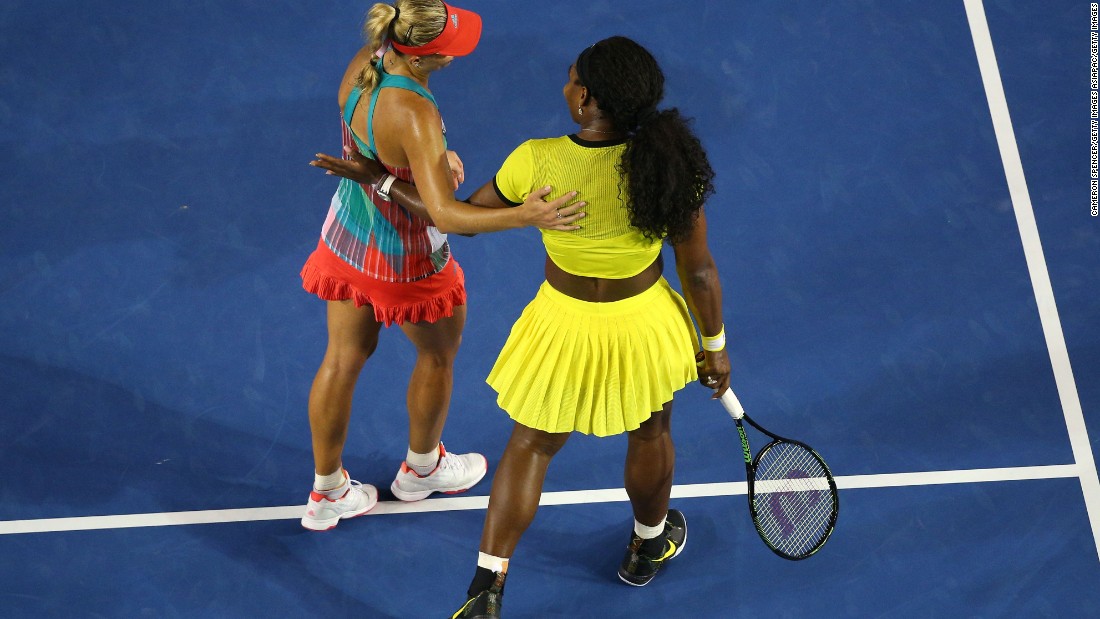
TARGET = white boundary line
x,y
1036,263
573,497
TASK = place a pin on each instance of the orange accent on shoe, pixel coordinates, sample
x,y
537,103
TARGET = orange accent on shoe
x,y
318,496
406,469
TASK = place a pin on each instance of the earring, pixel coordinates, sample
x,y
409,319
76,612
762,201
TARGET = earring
x,y
580,111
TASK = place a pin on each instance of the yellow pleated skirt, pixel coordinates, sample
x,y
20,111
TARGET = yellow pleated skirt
x,y
596,368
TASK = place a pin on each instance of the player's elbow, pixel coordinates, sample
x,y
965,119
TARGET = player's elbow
x,y
447,226
700,277
450,226
701,274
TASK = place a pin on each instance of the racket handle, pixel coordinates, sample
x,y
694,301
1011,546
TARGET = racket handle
x,y
732,404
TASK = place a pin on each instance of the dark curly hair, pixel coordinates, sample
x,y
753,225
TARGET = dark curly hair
x,y
664,167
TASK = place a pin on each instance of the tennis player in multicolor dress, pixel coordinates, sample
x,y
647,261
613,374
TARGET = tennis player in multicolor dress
x,y
380,264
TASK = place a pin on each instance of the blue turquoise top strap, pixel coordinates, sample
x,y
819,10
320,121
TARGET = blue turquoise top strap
x,y
349,111
349,105
394,81
388,81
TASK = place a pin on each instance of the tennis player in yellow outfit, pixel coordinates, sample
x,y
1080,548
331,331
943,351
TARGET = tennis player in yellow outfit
x,y
606,342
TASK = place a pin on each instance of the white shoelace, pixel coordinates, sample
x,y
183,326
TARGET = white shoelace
x,y
452,463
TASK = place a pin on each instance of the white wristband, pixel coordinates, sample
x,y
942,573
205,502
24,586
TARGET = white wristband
x,y
715,343
384,187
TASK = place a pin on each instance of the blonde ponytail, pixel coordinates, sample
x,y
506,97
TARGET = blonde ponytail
x,y
376,30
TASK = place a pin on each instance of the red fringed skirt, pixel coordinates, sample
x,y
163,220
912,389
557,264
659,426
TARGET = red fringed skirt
x,y
426,300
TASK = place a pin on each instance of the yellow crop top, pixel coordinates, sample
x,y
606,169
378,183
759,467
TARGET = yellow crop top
x,y
607,245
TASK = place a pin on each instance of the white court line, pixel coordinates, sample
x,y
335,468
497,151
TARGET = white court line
x,y
573,497
1036,263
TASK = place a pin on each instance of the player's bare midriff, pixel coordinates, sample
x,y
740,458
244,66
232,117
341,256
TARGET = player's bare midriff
x,y
601,290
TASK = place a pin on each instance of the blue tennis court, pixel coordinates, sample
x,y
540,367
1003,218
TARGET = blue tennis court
x,y
909,264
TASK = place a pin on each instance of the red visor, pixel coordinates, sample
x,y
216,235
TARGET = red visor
x,y
459,37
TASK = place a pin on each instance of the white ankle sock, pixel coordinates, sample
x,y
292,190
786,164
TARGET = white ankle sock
x,y
646,532
332,481
422,464
491,563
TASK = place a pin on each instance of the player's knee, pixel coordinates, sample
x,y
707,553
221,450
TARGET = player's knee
x,y
346,360
537,441
439,358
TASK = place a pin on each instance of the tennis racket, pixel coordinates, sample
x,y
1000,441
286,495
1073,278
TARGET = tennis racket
x,y
792,496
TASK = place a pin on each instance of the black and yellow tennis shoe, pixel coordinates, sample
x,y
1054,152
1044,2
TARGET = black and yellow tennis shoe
x,y
486,604
645,557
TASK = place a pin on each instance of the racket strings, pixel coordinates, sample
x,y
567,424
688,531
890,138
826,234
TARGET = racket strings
x,y
793,499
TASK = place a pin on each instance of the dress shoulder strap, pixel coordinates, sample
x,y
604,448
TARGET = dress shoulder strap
x,y
391,81
349,105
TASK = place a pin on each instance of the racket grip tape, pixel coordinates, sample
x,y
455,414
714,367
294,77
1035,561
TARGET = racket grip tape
x,y
732,404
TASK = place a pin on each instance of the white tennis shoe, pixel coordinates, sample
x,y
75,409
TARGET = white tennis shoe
x,y
454,473
324,513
